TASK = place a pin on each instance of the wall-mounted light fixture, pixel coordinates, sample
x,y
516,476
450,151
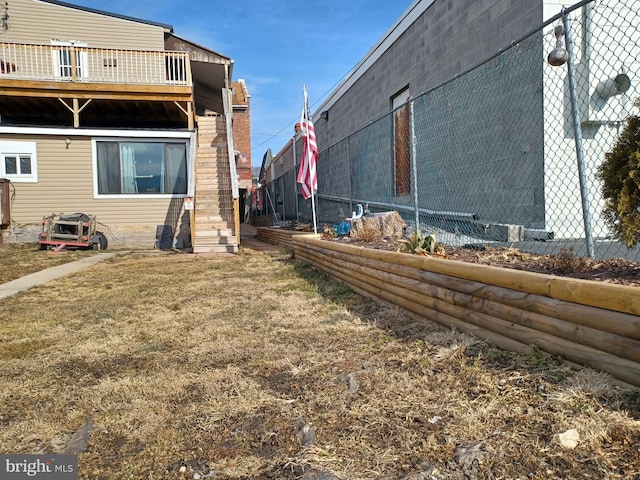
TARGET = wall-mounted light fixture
x,y
614,86
67,142
325,115
559,55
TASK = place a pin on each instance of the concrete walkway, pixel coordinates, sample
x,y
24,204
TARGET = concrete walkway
x,y
247,237
50,274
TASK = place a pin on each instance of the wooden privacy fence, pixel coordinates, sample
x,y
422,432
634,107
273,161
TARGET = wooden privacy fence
x,y
585,322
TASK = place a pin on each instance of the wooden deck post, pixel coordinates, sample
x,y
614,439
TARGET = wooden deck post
x,y
236,218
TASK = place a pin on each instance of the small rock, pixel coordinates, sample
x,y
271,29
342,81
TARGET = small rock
x,y
80,439
352,382
306,433
467,455
318,475
569,439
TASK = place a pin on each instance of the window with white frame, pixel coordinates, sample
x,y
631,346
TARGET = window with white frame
x,y
68,55
141,167
18,161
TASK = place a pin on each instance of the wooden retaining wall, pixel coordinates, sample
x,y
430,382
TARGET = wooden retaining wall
x,y
280,236
585,322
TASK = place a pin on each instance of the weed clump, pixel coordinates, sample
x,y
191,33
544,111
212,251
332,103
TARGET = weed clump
x,y
567,262
419,244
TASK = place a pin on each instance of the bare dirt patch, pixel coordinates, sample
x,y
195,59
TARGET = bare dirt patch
x,y
256,366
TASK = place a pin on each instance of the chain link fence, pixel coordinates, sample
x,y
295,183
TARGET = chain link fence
x,y
504,154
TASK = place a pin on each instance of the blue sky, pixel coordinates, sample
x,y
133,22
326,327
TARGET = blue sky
x,y
277,47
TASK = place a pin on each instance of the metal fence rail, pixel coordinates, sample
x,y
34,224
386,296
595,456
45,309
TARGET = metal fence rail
x,y
504,154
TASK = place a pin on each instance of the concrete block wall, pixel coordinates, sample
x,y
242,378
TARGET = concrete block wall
x,y
449,37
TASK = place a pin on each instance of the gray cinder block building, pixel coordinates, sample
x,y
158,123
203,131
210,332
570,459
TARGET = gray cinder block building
x,y
494,133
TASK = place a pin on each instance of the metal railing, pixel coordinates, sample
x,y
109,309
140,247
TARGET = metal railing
x,y
506,153
73,63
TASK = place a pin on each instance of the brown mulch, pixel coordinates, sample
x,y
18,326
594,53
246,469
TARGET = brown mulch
x,y
566,264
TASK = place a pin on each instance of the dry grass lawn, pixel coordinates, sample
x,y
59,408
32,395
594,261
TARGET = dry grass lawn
x,y
256,366
20,259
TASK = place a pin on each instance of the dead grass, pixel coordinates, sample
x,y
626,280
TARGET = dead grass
x,y
256,366
20,259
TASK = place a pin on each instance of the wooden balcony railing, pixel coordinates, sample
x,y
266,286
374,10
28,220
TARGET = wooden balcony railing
x,y
72,63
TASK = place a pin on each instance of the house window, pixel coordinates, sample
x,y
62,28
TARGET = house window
x,y
141,167
402,142
69,54
18,161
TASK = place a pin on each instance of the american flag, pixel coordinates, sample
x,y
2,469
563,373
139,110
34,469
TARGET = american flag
x,y
307,176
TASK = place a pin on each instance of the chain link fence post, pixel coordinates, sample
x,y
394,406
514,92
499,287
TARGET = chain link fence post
x,y
350,167
295,177
414,165
577,132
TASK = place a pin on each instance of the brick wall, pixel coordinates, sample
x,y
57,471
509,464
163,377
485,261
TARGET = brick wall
x,y
242,128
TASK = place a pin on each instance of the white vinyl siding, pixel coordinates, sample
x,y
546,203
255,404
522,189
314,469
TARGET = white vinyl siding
x,y
65,185
39,22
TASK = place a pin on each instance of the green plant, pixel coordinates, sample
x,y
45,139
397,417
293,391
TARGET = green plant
x,y
620,174
419,244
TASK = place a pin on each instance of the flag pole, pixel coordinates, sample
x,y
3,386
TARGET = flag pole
x,y
308,159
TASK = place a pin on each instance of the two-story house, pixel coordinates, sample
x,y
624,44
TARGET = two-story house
x,y
115,117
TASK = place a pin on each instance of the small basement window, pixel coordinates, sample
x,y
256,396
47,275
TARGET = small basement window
x,y
18,161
